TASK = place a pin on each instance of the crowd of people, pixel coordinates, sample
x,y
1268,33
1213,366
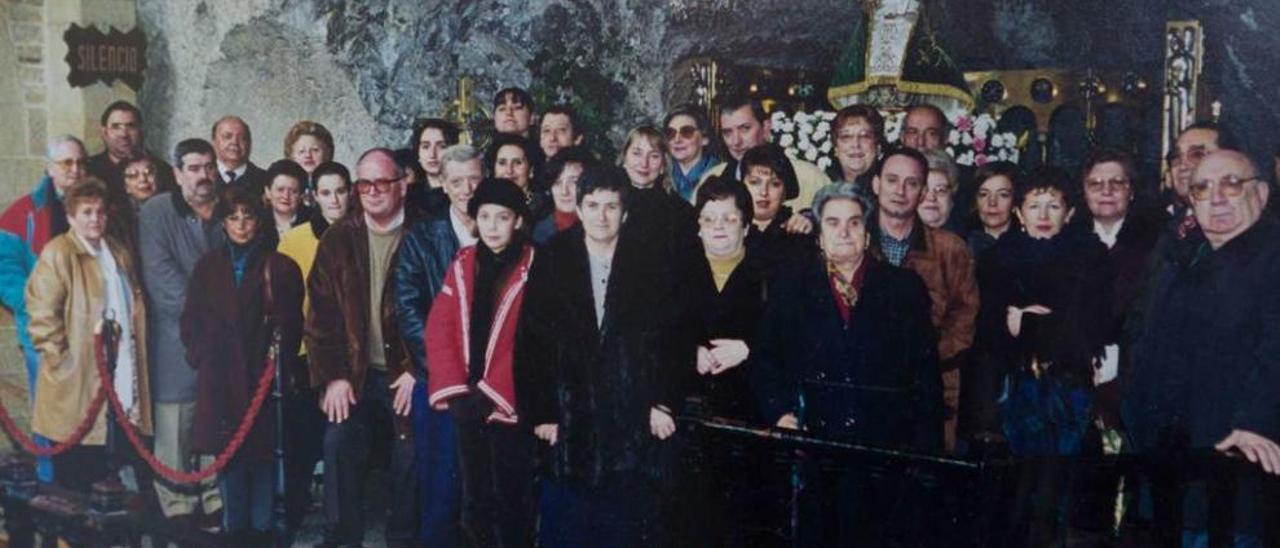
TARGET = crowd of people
x,y
515,332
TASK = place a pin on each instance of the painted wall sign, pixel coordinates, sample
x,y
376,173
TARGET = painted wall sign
x,y
97,57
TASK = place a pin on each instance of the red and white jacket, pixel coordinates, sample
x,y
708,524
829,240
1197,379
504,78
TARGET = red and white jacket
x,y
448,331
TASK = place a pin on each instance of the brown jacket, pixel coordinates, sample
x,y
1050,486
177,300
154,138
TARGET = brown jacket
x,y
336,322
943,261
65,298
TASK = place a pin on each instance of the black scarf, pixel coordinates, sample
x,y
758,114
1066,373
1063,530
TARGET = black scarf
x,y
491,268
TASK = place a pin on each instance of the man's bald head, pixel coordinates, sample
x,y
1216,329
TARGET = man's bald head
x,y
1227,194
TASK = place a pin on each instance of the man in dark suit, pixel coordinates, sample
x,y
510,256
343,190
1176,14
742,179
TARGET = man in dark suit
x,y
233,143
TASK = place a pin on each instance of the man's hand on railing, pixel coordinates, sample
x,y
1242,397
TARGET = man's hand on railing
x,y
1258,449
547,432
789,421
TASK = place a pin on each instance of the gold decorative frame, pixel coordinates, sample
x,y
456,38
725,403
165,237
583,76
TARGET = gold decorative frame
x,y
1183,58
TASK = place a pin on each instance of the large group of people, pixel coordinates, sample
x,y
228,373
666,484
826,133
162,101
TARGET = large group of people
x,y
517,332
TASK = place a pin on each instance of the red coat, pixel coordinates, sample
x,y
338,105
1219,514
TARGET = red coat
x,y
447,336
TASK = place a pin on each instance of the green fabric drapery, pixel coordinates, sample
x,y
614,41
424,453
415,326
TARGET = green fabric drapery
x,y
895,58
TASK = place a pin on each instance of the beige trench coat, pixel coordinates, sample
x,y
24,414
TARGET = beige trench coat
x,y
65,298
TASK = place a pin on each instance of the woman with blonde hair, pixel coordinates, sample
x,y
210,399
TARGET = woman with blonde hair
x,y
657,215
309,144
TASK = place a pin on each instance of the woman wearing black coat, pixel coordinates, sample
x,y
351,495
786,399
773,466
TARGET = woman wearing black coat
x,y
601,360
733,497
846,350
1046,297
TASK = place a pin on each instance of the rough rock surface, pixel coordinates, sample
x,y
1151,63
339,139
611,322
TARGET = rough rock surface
x,y
367,68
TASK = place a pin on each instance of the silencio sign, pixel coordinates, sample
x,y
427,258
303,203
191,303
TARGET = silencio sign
x,y
97,57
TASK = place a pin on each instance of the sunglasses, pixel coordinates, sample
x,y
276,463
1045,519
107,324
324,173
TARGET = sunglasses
x,y
140,174
383,186
1230,185
684,132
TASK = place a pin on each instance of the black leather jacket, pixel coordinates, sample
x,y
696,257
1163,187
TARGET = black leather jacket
x,y
425,253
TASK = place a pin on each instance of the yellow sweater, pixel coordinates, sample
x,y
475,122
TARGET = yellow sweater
x,y
721,269
300,244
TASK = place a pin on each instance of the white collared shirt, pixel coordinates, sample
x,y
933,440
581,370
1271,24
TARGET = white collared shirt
x,y
465,238
394,224
222,170
1108,237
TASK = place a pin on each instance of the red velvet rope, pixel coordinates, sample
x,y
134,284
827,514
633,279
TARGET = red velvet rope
x,y
105,392
27,444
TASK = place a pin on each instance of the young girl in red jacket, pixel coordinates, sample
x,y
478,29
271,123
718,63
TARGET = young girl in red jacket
x,y
470,343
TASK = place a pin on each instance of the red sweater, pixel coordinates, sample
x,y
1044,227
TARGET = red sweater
x,y
448,326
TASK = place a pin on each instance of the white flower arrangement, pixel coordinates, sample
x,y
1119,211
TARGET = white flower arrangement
x,y
805,135
972,141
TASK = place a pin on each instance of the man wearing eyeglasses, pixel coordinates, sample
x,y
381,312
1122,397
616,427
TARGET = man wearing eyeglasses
x,y
1208,374
1181,236
357,357
25,226
122,138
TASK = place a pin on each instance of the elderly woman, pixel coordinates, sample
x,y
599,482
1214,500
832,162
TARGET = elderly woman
x,y
246,291
302,439
470,338
286,181
80,277
1109,193
992,206
937,206
689,138
859,135
778,236
846,350
309,144
1041,331
744,509
560,176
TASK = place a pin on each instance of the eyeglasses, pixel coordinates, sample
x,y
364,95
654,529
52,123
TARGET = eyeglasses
x,y
365,186
727,219
149,172
1114,185
70,163
685,132
939,191
1231,186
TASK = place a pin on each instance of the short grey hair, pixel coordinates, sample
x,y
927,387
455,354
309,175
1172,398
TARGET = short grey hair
x,y
57,141
843,191
941,162
459,154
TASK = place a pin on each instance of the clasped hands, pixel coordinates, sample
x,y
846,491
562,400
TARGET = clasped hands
x,y
722,355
